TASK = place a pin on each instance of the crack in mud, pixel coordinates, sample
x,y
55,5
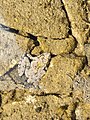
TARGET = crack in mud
x,y
63,7
24,34
70,27
73,114
9,71
70,32
18,32
47,94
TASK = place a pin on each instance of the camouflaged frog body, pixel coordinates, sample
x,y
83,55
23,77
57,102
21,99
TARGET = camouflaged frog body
x,y
33,67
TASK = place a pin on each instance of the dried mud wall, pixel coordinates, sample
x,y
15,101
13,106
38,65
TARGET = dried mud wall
x,y
45,60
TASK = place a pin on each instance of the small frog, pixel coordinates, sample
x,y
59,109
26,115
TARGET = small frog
x,y
33,67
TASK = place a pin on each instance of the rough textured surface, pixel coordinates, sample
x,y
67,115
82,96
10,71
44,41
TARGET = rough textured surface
x,y
10,52
57,46
41,18
40,108
58,77
81,87
60,28
79,26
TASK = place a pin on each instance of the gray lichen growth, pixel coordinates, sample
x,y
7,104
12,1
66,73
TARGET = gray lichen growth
x,y
82,85
33,68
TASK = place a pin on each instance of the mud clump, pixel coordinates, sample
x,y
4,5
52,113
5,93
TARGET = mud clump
x,y
57,79
57,46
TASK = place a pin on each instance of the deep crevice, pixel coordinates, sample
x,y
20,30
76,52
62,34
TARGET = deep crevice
x,y
53,55
25,34
85,62
31,36
6,28
13,94
73,114
75,45
63,7
9,71
64,107
0,100
70,26
12,79
18,32
48,94
59,38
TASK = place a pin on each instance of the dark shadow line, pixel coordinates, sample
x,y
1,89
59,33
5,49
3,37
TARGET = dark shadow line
x,y
6,28
18,32
12,79
27,35
9,71
0,100
48,94
69,22
86,21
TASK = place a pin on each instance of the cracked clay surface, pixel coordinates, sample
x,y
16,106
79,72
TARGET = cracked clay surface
x,y
45,60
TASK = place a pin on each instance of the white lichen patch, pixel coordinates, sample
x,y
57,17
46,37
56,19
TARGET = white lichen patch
x,y
33,67
82,85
